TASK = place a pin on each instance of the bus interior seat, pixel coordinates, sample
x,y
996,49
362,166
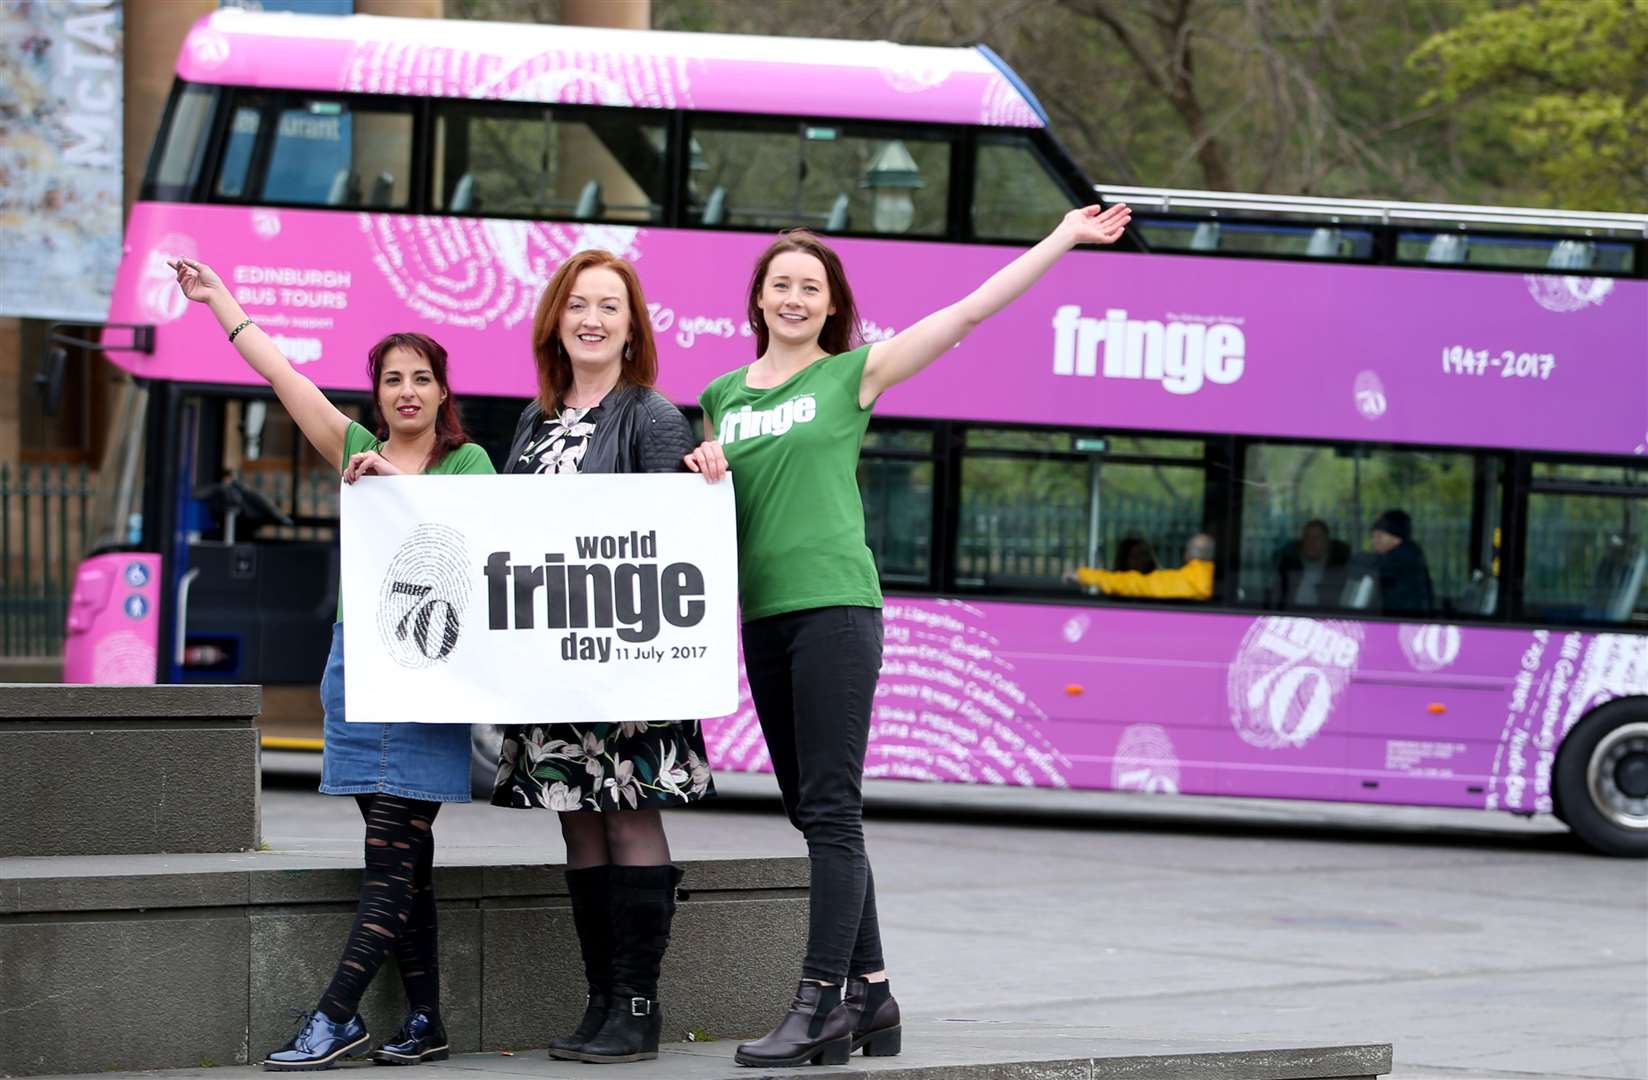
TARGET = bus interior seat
x,y
1618,583
1206,237
1324,243
463,194
589,202
345,188
1447,248
1572,255
1481,596
383,191
1361,588
838,220
715,207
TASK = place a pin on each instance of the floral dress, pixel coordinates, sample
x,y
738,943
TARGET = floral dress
x,y
574,766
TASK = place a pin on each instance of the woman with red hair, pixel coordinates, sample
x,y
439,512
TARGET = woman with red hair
x,y
596,412
399,774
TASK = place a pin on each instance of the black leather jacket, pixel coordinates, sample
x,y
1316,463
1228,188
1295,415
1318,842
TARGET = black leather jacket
x,y
638,431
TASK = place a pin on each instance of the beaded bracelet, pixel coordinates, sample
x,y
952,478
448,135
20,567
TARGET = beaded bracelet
x,y
244,323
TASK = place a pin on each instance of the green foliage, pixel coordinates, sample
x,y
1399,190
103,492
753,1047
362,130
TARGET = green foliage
x,y
1563,86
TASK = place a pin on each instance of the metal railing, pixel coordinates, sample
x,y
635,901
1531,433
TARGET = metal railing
x,y
43,518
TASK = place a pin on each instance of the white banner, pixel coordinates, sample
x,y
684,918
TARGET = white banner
x,y
60,157
517,599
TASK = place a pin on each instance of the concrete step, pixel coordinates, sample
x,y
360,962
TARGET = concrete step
x,y
144,962
128,770
933,1050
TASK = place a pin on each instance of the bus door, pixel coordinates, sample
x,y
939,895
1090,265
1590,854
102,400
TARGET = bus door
x,y
254,573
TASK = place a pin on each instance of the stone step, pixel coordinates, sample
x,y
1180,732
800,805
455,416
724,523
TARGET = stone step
x,y
933,1050
148,962
128,770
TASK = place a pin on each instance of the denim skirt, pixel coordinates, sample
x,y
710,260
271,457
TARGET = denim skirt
x,y
429,762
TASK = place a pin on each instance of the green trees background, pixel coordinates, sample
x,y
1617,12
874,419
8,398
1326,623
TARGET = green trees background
x,y
1513,102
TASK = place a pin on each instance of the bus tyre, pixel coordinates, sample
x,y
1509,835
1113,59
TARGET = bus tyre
x,y
1601,778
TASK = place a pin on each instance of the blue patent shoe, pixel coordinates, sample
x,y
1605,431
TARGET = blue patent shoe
x,y
422,1037
320,1043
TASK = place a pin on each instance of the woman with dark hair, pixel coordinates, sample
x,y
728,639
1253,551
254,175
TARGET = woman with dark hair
x,y
791,424
1134,553
596,412
399,774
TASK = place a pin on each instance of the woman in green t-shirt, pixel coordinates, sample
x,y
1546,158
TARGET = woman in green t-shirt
x,y
791,425
399,774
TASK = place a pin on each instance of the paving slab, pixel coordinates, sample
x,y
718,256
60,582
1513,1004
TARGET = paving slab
x,y
934,1050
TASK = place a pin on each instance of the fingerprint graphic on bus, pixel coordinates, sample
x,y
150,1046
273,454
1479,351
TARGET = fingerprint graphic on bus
x,y
946,708
1288,676
475,274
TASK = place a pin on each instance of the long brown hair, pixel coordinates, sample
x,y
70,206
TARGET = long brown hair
x,y
640,363
840,331
449,431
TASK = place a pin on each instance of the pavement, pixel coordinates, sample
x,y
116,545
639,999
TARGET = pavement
x,y
935,1050
1081,924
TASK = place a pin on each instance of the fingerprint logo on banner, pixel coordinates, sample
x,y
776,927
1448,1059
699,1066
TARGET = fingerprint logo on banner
x,y
1288,676
1562,293
421,602
1145,761
1431,647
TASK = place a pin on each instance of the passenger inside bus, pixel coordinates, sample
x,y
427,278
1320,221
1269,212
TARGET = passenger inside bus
x,y
1134,553
1403,576
1311,571
1192,581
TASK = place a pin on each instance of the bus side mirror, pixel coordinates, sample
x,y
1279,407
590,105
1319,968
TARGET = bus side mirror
x,y
49,381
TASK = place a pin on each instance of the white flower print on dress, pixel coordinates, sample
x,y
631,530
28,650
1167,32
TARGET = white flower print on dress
x,y
558,445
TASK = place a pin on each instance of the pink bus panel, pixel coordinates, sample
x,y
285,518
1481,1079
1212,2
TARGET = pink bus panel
x,y
114,620
1453,357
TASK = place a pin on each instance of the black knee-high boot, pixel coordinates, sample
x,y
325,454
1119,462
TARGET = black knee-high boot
x,y
591,892
643,904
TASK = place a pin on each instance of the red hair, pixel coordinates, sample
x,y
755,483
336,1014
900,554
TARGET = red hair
x,y
449,432
640,363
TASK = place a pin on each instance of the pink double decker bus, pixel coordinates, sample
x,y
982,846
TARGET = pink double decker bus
x,y
1410,441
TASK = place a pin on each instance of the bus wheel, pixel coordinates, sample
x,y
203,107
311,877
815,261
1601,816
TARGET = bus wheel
x,y
1601,778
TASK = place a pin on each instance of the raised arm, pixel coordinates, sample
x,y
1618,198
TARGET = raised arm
x,y
319,420
904,354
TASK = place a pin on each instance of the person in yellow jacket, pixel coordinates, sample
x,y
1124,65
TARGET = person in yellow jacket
x,y
1192,581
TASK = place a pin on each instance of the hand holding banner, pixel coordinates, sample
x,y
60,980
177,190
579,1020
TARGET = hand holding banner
x,y
514,599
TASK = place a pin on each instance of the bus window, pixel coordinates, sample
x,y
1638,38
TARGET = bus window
x,y
1014,194
331,152
1309,540
237,151
1511,251
828,177
1035,504
183,146
1587,544
895,480
581,164
1258,238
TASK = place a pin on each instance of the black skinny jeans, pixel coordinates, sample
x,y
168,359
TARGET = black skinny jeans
x,y
813,676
